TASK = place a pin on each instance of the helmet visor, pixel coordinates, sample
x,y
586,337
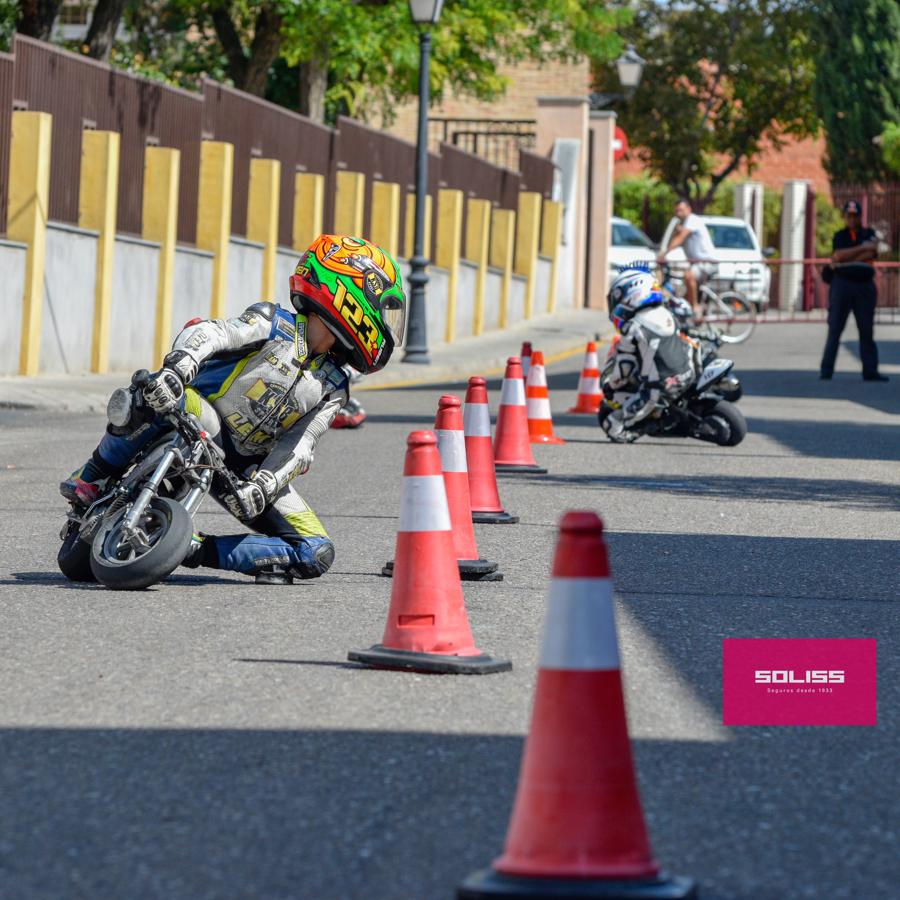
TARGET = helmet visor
x,y
393,313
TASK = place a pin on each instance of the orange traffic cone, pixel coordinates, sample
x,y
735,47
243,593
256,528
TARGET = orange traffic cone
x,y
525,356
512,447
577,828
483,493
427,628
452,449
540,419
589,394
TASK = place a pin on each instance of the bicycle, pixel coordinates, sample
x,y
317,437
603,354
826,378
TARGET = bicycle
x,y
728,315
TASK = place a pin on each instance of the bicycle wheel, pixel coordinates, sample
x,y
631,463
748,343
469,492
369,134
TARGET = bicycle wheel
x,y
732,315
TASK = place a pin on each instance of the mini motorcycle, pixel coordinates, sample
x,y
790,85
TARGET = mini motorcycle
x,y
139,531
700,412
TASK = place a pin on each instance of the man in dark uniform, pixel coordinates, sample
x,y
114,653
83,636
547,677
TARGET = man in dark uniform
x,y
853,290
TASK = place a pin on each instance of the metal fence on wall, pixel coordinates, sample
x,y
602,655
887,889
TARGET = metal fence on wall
x,y
257,128
81,93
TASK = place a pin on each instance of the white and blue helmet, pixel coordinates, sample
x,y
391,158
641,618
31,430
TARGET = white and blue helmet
x,y
632,290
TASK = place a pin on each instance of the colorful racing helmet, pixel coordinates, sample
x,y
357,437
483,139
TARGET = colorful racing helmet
x,y
356,290
632,289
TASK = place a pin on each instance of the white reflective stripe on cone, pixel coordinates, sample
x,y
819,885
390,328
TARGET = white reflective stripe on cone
x,y
526,365
537,377
580,626
538,408
477,420
452,447
592,361
423,504
589,385
513,392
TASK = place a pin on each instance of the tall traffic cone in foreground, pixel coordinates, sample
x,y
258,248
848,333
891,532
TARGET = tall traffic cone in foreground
x,y
577,828
452,449
483,493
540,419
589,394
525,356
512,446
427,628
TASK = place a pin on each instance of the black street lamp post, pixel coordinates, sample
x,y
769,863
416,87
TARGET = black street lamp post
x,y
423,13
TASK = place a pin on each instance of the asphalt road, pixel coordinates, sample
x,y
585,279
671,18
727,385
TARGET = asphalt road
x,y
205,739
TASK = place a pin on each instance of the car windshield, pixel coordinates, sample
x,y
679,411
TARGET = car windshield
x,y
730,237
624,234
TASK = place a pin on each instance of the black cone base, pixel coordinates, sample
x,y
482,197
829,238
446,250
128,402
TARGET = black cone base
x,y
381,657
494,518
488,883
469,570
509,469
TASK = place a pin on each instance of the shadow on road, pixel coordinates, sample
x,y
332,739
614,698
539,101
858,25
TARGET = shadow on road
x,y
832,440
107,813
842,494
888,351
754,568
803,384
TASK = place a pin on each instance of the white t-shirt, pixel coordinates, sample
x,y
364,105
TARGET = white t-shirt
x,y
699,244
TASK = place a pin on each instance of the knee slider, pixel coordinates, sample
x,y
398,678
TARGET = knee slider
x,y
316,556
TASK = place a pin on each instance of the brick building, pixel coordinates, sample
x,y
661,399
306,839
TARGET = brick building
x,y
530,80
796,160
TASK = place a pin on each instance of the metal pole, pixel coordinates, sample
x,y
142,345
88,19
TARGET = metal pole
x,y
417,341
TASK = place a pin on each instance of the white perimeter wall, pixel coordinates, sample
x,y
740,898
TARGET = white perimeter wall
x,y
68,313
12,288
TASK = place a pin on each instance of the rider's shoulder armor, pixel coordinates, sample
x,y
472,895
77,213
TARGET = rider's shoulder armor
x,y
263,308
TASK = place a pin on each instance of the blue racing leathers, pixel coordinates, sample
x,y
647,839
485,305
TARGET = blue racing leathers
x,y
257,391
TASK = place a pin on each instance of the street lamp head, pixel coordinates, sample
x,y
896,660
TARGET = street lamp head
x,y
425,12
630,67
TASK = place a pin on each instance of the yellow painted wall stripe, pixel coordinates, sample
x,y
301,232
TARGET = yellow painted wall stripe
x,y
159,222
214,215
98,196
29,195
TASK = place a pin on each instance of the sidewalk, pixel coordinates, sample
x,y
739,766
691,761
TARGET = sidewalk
x,y
558,336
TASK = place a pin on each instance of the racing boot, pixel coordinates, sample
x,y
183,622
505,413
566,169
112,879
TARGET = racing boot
x,y
199,552
85,485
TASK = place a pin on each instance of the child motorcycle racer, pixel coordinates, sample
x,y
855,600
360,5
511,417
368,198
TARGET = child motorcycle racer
x,y
652,354
266,386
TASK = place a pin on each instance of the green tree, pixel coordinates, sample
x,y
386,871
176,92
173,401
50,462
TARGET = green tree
x,y
358,56
857,85
723,82
890,147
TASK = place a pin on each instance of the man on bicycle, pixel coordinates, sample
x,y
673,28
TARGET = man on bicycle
x,y
692,234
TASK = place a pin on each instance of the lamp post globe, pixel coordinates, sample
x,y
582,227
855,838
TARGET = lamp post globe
x,y
630,67
424,13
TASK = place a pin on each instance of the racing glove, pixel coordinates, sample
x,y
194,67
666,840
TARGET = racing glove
x,y
164,391
252,497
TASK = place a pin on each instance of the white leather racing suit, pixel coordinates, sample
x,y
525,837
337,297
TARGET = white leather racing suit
x,y
256,390
652,350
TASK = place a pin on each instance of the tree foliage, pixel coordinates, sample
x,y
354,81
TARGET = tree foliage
x,y
358,57
890,147
723,82
857,86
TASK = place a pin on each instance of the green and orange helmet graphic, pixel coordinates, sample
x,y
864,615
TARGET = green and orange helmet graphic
x,y
356,289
